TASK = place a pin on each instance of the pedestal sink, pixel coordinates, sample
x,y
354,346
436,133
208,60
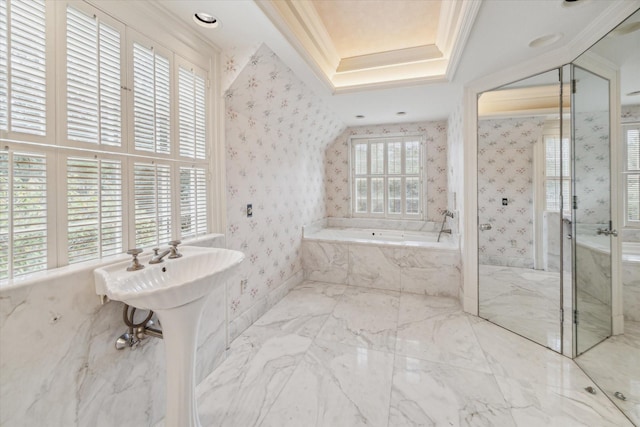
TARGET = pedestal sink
x,y
176,290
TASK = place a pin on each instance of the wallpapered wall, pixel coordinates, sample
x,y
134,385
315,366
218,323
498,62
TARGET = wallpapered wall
x,y
276,135
591,172
337,166
505,170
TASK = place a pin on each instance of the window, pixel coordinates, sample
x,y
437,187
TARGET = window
x,y
632,174
23,67
129,157
387,176
556,153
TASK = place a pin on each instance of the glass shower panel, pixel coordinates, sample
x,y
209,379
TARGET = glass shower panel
x,y
591,209
519,237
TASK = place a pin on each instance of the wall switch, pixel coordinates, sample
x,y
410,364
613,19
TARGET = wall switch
x,y
243,286
505,201
249,210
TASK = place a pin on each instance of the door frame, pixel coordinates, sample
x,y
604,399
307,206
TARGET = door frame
x,y
607,70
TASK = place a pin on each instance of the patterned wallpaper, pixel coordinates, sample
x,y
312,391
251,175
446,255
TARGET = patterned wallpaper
x,y
630,113
505,170
591,172
276,136
337,166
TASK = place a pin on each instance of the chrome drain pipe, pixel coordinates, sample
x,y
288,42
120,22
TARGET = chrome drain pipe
x,y
137,331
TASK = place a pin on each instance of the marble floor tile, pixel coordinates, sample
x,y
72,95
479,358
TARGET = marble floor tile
x,y
436,329
364,318
243,388
537,404
623,353
305,309
360,368
335,385
434,394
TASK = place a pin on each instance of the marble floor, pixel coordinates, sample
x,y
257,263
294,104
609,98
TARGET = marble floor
x,y
525,301
336,355
622,353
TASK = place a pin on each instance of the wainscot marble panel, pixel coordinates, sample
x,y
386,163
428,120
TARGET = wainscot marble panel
x,y
58,359
427,271
325,261
631,284
373,267
593,270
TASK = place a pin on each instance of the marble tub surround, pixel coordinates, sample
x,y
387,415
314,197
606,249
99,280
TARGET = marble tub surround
x,y
338,375
386,224
429,271
58,362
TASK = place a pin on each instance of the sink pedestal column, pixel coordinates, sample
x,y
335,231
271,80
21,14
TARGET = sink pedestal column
x,y
180,327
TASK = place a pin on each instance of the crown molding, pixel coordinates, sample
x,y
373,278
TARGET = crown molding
x,y
466,19
536,100
301,25
389,58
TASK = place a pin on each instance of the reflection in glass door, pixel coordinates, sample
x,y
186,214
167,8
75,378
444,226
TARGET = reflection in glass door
x,y
591,209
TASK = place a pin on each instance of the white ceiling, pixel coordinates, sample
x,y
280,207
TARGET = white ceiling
x,y
498,44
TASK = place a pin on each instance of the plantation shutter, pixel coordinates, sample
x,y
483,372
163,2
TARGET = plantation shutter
x,y
633,173
151,100
152,201
191,113
94,208
22,67
193,201
93,80
23,213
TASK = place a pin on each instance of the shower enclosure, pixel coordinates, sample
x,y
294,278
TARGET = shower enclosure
x,y
557,196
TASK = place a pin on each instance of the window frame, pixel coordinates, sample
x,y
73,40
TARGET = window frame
x,y
561,179
58,148
626,173
403,138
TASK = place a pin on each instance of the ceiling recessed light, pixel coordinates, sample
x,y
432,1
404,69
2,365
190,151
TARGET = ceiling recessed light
x,y
569,3
401,113
546,40
205,20
634,93
359,116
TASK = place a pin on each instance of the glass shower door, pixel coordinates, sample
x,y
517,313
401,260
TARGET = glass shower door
x,y
591,209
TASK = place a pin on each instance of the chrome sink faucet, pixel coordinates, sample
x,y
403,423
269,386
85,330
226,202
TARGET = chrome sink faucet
x,y
172,251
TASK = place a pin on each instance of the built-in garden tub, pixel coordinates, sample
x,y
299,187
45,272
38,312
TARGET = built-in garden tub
x,y
393,255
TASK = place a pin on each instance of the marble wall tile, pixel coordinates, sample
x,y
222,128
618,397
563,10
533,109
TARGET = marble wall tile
x,y
326,262
373,267
355,384
59,363
631,283
429,272
593,271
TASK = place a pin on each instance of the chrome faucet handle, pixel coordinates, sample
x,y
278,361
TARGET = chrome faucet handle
x,y
155,251
135,264
173,246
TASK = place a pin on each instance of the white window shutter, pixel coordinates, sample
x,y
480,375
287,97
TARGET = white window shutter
x,y
193,202
93,80
23,67
151,100
191,114
94,208
23,213
152,201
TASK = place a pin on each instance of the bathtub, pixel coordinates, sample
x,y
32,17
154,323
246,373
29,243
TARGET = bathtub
x,y
391,258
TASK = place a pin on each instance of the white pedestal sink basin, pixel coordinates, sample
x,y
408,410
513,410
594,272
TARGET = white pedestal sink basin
x,y
176,290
